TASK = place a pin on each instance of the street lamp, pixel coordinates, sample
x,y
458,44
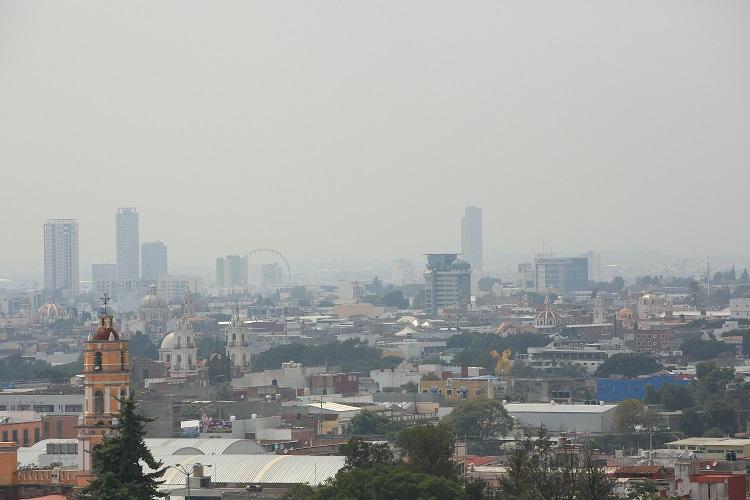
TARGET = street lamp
x,y
181,468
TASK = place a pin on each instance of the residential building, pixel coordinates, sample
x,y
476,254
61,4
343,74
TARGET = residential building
x,y
739,308
127,244
589,355
175,287
153,260
231,271
471,237
561,274
61,256
447,282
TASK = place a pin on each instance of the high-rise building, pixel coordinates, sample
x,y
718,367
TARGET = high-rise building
x,y
221,274
231,271
153,260
61,256
471,237
595,266
561,274
128,244
447,282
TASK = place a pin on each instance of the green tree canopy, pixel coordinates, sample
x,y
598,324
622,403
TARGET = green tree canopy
x,y
360,453
428,450
117,461
350,355
632,416
140,346
370,424
395,299
482,418
628,365
697,349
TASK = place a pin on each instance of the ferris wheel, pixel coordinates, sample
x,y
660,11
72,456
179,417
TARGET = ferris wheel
x,y
268,267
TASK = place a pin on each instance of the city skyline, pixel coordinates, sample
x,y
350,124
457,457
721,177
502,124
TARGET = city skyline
x,y
634,126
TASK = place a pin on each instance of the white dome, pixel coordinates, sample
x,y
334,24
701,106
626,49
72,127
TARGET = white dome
x,y
153,301
50,310
168,341
548,318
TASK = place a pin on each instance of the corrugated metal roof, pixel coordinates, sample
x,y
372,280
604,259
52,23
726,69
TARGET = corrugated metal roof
x,y
556,408
202,446
262,469
333,406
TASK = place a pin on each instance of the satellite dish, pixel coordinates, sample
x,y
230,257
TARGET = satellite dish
x,y
708,467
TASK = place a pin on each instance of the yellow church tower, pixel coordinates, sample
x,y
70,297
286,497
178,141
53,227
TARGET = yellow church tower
x,y
105,372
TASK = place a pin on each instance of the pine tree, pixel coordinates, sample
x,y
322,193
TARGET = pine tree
x,y
116,461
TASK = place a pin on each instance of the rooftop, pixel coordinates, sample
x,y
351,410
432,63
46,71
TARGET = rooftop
x,y
556,408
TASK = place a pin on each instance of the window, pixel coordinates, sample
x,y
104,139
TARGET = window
x,y
58,428
122,361
97,361
44,408
25,437
73,408
37,434
15,435
5,435
98,403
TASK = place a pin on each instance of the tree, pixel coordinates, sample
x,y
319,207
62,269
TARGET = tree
x,y
723,415
482,418
691,423
675,397
117,460
628,365
383,482
632,416
370,423
697,349
360,453
210,344
429,450
395,299
140,346
714,432
617,284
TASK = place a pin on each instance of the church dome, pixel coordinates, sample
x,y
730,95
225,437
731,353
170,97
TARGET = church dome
x,y
168,341
152,300
548,318
106,330
51,311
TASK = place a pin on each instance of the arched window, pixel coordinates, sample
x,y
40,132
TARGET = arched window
x,y
97,361
244,359
123,393
179,361
123,364
169,358
98,403
234,337
190,360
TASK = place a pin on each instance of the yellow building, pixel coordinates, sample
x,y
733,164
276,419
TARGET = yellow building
x,y
105,371
460,388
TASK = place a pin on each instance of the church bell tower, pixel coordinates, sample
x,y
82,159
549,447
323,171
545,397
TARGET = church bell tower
x,y
105,372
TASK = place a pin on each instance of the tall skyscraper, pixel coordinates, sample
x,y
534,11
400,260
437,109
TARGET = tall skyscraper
x,y
471,237
128,244
61,256
561,274
153,260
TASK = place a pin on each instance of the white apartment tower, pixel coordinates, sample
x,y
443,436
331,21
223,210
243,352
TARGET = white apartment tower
x,y
61,256
128,244
471,237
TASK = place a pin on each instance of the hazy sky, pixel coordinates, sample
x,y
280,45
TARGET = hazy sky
x,y
332,129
